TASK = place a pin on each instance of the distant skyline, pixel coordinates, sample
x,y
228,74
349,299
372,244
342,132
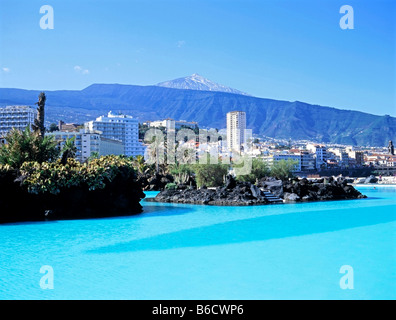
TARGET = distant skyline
x,y
286,50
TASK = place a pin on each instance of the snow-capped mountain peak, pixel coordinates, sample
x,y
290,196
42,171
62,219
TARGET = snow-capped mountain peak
x,y
197,82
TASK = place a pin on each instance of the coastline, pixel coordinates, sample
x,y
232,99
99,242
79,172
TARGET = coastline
x,y
358,185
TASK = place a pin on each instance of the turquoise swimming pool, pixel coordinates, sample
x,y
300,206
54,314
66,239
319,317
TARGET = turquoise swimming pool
x,y
175,251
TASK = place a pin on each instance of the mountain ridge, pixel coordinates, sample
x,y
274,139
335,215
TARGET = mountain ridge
x,y
266,117
197,82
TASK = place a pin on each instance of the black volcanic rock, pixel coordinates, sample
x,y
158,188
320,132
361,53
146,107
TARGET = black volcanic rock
x,y
291,197
230,182
156,182
241,194
273,185
371,179
245,193
321,189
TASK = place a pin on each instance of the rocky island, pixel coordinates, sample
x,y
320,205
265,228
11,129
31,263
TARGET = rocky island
x,y
265,191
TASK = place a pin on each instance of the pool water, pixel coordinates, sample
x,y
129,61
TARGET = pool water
x,y
176,251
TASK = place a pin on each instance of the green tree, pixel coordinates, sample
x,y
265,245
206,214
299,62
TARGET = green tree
x,y
181,172
283,169
140,164
260,169
210,174
53,127
94,155
23,146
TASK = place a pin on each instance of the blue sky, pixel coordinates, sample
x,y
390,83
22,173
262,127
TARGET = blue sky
x,y
289,50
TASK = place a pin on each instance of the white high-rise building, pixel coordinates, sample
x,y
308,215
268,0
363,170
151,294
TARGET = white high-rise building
x,y
119,127
236,126
18,117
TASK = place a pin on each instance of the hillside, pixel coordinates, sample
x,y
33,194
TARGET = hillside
x,y
272,118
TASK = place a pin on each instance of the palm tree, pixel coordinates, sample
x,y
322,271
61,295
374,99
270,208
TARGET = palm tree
x,y
140,164
69,150
25,146
156,148
38,125
94,155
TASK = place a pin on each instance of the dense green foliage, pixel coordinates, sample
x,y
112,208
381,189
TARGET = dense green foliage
x,y
53,127
53,177
140,164
23,146
210,174
283,169
181,173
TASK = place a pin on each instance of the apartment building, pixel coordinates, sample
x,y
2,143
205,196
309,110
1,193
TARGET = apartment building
x,y
321,155
18,117
86,142
119,127
272,159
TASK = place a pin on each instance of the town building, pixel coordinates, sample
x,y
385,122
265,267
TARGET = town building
x,y
357,156
17,117
341,156
88,143
69,127
172,124
321,156
307,161
119,127
236,126
272,159
110,146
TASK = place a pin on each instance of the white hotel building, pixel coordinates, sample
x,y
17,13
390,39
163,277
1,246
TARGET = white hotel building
x,y
18,117
119,127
